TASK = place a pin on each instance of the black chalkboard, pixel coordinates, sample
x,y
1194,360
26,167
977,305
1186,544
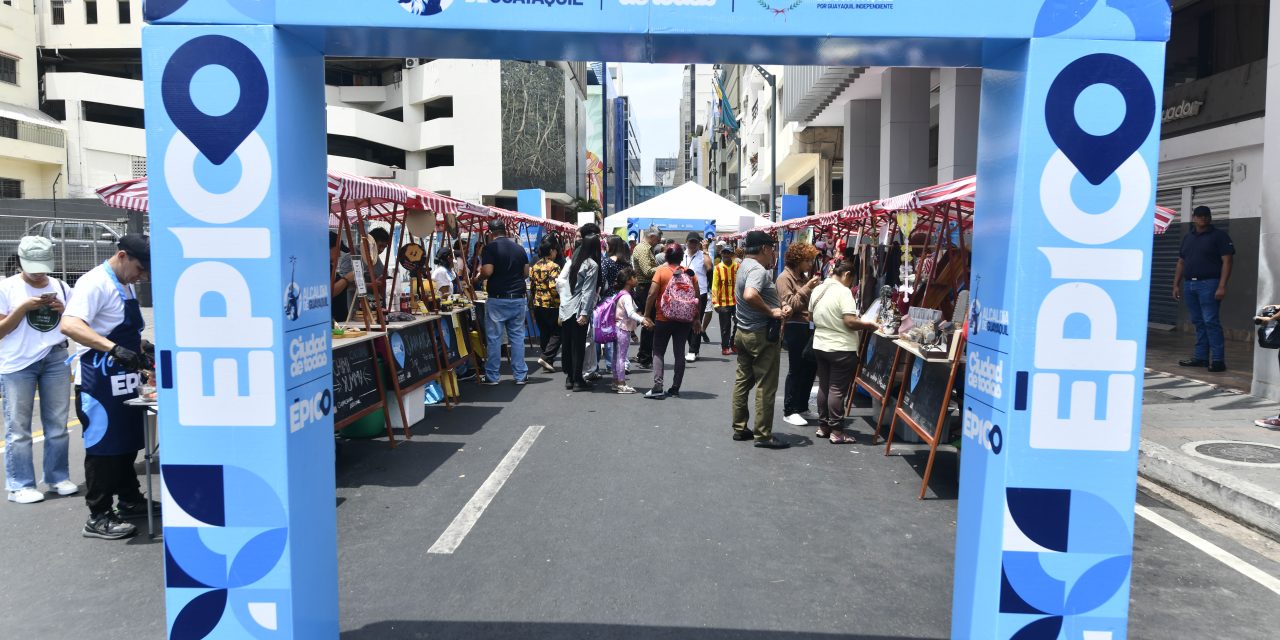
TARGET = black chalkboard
x,y
876,362
926,393
447,322
355,381
414,349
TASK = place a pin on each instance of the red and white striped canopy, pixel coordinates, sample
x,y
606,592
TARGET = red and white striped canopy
x,y
130,194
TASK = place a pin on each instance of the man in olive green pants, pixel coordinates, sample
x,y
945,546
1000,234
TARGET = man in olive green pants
x,y
758,356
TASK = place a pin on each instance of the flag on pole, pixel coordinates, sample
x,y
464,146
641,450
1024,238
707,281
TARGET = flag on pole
x,y
727,118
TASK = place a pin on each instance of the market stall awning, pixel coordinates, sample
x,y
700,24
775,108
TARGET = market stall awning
x,y
130,194
960,195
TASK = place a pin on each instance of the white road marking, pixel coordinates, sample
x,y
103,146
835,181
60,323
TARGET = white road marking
x,y
1249,571
471,512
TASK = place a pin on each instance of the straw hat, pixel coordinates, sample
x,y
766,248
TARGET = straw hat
x,y
419,222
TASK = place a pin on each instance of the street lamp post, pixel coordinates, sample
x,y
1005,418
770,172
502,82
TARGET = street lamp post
x,y
773,141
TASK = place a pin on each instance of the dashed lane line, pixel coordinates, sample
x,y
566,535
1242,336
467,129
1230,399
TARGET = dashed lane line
x,y
471,512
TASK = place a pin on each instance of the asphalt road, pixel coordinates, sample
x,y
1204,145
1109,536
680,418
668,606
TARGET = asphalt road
x,y
629,518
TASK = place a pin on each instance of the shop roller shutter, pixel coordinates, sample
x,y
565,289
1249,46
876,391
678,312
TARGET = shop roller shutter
x,y
1195,176
1215,196
1164,261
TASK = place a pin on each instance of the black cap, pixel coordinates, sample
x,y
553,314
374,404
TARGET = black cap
x,y
498,226
760,239
1201,212
693,236
137,246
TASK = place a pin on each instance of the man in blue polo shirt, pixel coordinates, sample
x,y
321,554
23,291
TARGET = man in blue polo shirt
x,y
504,268
1204,266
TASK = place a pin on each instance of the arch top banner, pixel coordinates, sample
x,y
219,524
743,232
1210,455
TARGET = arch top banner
x,y
1145,20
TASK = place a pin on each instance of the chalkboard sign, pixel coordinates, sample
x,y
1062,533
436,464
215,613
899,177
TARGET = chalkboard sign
x,y
927,392
447,323
876,363
355,381
414,349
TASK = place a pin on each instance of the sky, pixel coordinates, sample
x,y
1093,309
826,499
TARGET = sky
x,y
654,90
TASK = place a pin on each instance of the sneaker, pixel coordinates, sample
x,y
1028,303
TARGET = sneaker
x,y
1193,362
733,350
546,366
690,357
726,351
1217,367
624,389
742,436
673,392
772,443
655,394
487,382
467,377
1268,423
809,415
26,495
592,377
137,509
66,488
795,419
521,383
107,527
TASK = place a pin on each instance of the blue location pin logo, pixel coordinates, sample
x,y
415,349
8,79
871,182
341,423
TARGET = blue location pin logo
x,y
1097,157
217,137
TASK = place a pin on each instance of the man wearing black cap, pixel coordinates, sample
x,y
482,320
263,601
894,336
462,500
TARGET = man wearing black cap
x,y
1200,280
504,268
104,318
759,315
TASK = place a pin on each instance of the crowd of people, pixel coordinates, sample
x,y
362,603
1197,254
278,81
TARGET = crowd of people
x,y
591,301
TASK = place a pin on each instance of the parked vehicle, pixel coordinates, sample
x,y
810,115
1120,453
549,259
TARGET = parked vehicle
x,y
79,245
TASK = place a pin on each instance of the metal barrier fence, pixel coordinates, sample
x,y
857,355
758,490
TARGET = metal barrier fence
x,y
78,244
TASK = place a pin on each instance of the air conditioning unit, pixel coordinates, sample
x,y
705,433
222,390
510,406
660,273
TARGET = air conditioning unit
x,y
410,63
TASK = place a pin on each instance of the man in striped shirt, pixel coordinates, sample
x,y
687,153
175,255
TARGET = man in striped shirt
x,y
645,265
722,297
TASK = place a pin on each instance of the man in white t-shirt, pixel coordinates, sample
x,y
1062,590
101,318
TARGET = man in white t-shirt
x,y
33,357
104,317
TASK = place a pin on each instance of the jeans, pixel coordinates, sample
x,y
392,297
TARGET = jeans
x,y
835,373
677,333
757,365
1203,308
801,370
508,313
52,377
728,325
548,332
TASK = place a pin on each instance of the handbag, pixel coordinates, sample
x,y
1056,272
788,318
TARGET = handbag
x,y
1269,336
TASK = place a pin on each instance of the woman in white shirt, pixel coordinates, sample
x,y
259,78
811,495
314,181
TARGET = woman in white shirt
x,y
838,327
442,276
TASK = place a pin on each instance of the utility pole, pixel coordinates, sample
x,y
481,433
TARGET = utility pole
x,y
604,138
693,120
773,141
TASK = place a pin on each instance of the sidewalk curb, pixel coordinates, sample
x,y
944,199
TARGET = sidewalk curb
x,y
1239,499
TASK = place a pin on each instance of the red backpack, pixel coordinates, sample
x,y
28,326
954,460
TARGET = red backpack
x,y
679,301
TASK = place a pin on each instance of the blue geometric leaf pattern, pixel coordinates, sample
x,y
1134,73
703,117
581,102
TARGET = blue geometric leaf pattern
x,y
198,490
198,619
197,560
257,558
1032,583
1043,515
1097,585
1150,18
1042,629
156,9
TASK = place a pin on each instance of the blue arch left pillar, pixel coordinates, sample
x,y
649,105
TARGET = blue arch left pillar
x,y
236,160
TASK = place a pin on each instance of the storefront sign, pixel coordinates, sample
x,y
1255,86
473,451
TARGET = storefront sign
x,y
1188,109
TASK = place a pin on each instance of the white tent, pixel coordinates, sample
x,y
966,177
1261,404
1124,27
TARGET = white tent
x,y
689,201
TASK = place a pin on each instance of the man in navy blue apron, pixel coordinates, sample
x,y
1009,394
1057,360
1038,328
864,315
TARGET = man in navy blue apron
x,y
107,322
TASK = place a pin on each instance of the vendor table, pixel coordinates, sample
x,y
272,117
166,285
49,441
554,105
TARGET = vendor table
x,y
924,399
416,355
148,450
357,387
877,367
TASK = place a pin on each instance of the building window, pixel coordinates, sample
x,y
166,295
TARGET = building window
x,y
123,6
10,188
91,11
139,166
58,11
8,70
8,128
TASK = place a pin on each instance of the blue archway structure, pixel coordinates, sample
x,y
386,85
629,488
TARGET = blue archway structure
x,y
1067,150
